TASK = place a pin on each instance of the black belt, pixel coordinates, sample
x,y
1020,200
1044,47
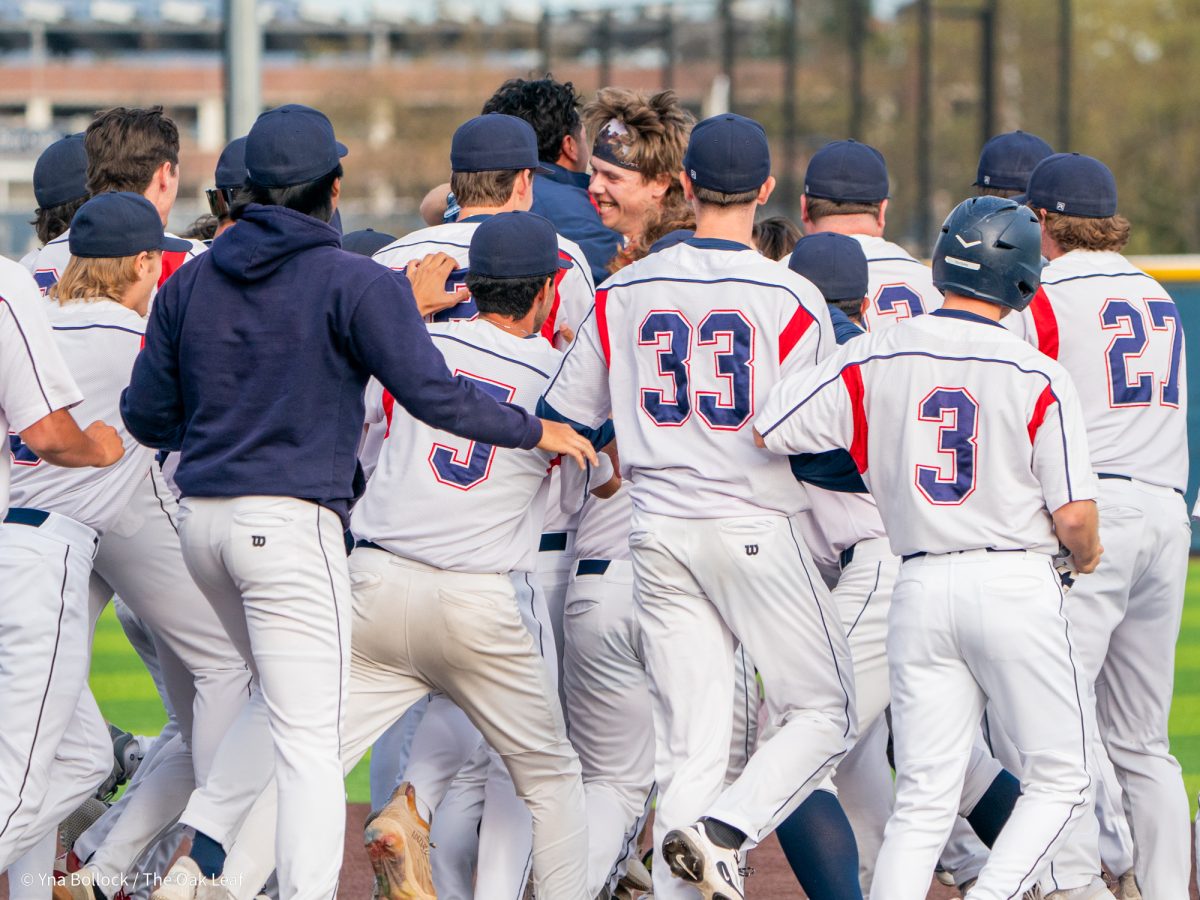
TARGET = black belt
x,y
553,540
846,556
1116,477
906,557
21,515
592,567
370,545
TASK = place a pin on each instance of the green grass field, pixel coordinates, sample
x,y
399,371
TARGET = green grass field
x,y
127,696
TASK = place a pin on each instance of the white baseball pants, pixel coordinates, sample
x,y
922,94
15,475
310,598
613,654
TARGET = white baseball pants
x,y
1125,623
274,569
54,747
701,585
967,629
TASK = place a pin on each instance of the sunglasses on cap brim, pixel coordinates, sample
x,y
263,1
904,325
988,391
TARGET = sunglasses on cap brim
x,y
219,201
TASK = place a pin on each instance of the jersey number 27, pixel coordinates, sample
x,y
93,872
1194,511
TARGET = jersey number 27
x,y
1131,341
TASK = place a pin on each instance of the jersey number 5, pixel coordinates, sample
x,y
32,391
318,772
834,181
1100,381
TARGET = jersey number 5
x,y
472,466
957,412
1130,342
730,338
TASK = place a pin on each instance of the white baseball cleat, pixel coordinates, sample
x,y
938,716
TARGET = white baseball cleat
x,y
184,881
1127,887
1096,889
75,885
716,872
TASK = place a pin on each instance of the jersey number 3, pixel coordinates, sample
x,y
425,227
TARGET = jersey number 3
x,y
471,467
727,337
957,414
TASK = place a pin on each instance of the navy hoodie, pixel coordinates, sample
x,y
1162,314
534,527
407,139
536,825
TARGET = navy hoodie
x,y
257,354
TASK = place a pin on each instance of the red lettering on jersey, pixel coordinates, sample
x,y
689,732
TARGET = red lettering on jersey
x,y
800,322
1039,412
1046,323
389,406
852,378
171,261
550,326
602,324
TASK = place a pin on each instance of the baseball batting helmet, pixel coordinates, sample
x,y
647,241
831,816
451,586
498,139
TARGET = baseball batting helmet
x,y
990,249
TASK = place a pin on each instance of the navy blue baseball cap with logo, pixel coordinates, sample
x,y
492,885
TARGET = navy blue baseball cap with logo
x,y
1007,159
60,173
290,145
1074,185
231,166
494,142
835,263
847,171
515,245
366,242
729,154
119,224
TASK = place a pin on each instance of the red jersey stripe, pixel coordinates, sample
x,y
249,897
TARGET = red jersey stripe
x,y
852,378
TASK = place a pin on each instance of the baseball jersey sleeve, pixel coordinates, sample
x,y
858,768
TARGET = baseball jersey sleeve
x,y
579,392
1061,458
807,335
389,337
34,379
817,410
152,405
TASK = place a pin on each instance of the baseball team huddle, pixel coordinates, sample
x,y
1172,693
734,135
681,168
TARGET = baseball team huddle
x,y
596,502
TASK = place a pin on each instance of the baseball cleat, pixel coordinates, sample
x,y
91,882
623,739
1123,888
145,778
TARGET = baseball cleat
x,y
636,880
397,842
1096,889
184,881
716,872
1127,887
75,886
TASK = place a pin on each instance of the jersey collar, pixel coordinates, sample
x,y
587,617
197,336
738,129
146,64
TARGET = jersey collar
x,y
964,315
715,244
478,217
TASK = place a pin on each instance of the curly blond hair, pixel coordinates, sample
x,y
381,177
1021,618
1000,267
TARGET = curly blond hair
x,y
656,128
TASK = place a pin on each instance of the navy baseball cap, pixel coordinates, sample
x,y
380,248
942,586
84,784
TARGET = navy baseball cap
x,y
494,142
60,173
290,145
515,245
835,263
728,153
119,224
1074,185
366,242
847,171
1007,159
231,167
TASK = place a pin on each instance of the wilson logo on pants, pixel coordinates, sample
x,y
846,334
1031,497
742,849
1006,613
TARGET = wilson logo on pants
x,y
258,540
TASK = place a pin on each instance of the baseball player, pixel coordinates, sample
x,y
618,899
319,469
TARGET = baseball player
x,y
683,372
1006,161
286,306
60,188
1119,334
434,605
134,150
846,191
45,559
228,179
975,451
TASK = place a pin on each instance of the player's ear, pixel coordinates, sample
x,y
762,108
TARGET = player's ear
x,y
862,307
804,219
764,192
686,183
882,217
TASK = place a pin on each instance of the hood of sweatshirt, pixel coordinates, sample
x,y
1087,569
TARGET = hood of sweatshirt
x,y
265,238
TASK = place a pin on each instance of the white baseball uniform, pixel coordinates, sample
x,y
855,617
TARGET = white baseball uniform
x,y
1119,334
899,286
434,606
968,439
683,367
48,263
45,559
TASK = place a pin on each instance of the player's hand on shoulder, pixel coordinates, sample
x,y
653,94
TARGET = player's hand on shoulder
x,y
610,487
428,278
109,448
560,438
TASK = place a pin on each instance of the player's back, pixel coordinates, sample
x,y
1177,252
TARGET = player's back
x,y
573,287
696,336
99,340
900,286
1119,334
958,430
450,502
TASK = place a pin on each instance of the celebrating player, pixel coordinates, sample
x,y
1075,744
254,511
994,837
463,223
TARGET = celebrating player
x,y
60,187
1006,162
974,449
715,553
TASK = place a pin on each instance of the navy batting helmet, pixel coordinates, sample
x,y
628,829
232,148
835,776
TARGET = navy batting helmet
x,y
990,249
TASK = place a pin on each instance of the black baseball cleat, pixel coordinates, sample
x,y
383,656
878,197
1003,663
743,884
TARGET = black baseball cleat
x,y
715,871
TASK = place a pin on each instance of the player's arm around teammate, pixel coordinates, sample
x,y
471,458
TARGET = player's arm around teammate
x,y
977,612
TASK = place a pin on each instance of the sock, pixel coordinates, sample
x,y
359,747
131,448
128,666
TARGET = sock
x,y
994,807
208,855
820,847
722,834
